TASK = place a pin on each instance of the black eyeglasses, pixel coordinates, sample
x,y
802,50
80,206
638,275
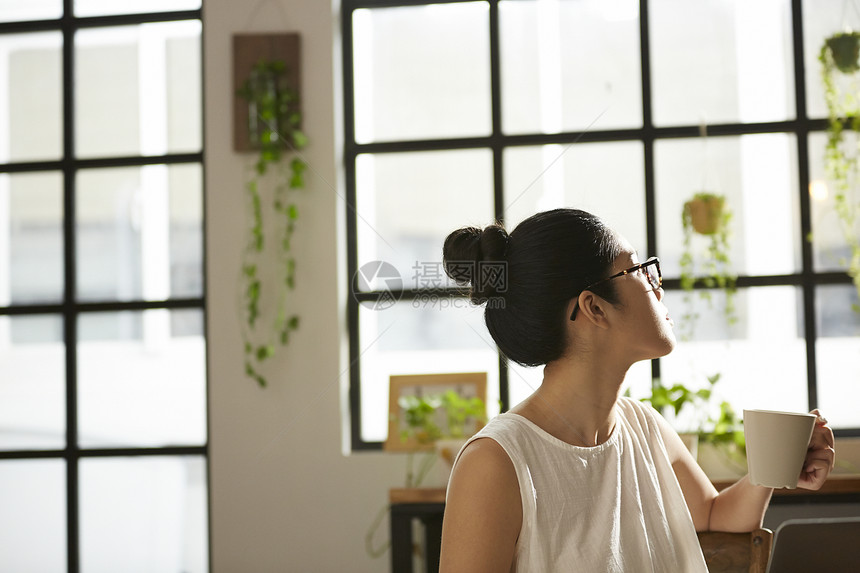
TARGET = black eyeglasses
x,y
651,268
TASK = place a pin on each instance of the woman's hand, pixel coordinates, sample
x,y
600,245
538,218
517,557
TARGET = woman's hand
x,y
820,457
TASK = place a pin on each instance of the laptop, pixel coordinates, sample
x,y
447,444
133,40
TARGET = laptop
x,y
829,545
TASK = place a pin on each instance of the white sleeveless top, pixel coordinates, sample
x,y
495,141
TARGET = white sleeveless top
x,y
609,508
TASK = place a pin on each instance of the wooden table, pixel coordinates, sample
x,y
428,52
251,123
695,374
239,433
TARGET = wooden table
x,y
837,488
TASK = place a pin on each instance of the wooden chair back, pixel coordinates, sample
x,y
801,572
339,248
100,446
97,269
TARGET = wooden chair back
x,y
736,552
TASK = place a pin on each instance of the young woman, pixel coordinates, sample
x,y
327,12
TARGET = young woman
x,y
576,477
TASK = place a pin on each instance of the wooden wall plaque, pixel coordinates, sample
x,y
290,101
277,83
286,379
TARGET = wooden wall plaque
x,y
248,49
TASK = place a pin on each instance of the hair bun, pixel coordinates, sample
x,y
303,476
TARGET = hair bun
x,y
476,258
494,243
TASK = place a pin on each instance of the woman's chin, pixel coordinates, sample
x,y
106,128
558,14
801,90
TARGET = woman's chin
x,y
670,342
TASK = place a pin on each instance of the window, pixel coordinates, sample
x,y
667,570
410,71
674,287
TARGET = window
x,y
465,112
103,429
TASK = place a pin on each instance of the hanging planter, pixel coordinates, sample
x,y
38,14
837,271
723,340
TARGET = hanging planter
x,y
705,212
845,51
706,266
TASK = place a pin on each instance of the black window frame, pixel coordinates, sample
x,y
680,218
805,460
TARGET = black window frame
x,y
807,279
69,308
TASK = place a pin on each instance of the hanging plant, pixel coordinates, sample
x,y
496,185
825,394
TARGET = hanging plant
x,y
274,123
840,62
706,216
844,49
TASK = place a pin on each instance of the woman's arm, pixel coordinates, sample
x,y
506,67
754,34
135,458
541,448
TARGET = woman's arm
x,y
741,506
483,511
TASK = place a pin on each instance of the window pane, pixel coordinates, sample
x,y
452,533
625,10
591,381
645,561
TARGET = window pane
x,y
137,90
17,11
821,19
108,7
31,238
719,61
33,520
132,370
758,176
143,514
583,176
32,383
522,381
548,87
139,233
409,202
829,246
421,72
427,335
761,359
837,353
31,97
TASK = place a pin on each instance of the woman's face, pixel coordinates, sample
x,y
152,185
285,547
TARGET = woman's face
x,y
642,320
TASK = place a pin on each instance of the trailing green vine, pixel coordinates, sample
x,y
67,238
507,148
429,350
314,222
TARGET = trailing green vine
x,y
839,57
714,270
274,128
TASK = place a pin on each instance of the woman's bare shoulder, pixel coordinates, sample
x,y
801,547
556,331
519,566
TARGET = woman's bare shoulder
x,y
483,466
485,451
483,515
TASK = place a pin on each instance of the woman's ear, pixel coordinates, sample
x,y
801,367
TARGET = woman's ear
x,y
593,309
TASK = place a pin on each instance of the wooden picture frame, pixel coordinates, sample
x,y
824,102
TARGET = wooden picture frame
x,y
466,384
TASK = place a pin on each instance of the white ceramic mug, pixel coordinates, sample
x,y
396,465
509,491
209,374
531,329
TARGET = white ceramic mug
x,y
777,443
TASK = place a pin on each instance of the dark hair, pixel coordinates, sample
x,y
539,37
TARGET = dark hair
x,y
545,261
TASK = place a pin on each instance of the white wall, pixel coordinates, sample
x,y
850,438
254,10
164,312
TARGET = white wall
x,y
284,496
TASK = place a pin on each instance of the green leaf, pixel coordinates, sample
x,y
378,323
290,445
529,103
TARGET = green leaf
x,y
264,352
297,181
300,140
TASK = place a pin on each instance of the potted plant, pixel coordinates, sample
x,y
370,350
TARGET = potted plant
x,y
671,401
443,422
706,216
274,121
689,412
705,212
724,452
840,62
